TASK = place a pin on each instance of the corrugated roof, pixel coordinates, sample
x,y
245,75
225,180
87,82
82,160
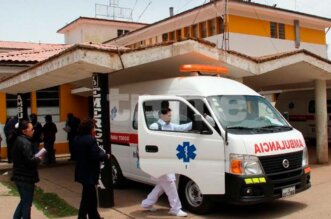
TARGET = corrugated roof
x,y
29,52
25,45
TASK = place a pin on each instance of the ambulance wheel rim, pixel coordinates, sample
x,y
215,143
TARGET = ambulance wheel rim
x,y
193,194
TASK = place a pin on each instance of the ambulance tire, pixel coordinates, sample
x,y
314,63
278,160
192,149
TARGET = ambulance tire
x,y
191,197
119,180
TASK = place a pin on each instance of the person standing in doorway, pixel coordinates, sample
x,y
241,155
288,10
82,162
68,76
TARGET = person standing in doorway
x,y
166,183
25,172
49,133
37,135
71,127
88,158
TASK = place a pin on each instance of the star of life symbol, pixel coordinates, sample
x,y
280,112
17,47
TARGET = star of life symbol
x,y
186,152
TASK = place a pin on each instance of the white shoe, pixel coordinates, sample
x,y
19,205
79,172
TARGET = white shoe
x,y
180,213
149,208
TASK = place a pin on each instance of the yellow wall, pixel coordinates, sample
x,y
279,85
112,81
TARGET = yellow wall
x,y
312,36
257,27
72,103
248,26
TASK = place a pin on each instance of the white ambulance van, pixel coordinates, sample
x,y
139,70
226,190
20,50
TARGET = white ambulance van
x,y
299,106
248,154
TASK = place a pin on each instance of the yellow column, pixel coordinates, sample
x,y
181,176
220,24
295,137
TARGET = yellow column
x,y
3,108
34,102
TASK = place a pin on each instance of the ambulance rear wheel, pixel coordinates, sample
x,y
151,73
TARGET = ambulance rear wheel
x,y
191,197
118,178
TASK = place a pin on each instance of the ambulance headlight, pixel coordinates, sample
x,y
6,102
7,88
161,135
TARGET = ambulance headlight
x,y
245,165
305,158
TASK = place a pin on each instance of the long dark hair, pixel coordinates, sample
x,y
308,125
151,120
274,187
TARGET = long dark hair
x,y
86,127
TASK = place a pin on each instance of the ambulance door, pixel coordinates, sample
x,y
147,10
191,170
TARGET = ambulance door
x,y
190,146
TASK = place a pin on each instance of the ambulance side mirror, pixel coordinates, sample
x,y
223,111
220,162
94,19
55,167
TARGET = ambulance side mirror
x,y
286,115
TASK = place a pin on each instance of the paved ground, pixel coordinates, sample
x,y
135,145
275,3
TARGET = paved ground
x,y
314,203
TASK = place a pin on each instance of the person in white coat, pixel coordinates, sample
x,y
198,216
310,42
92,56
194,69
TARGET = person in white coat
x,y
166,183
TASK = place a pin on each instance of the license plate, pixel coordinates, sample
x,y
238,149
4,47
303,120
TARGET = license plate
x,y
287,192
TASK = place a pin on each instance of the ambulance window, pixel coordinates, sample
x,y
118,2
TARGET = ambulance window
x,y
172,115
201,106
135,118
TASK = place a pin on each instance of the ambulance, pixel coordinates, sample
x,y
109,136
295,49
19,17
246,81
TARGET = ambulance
x,y
299,106
247,153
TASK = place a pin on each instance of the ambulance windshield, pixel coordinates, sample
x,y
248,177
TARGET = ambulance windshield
x,y
246,112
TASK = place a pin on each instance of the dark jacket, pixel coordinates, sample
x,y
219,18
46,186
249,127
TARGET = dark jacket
x,y
49,131
24,162
88,158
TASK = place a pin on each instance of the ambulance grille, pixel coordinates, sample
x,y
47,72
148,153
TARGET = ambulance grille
x,y
274,164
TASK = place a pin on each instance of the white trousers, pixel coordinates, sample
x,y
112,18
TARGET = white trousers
x,y
169,187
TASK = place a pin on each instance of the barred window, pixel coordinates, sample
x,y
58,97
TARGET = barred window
x,y
281,31
273,30
277,30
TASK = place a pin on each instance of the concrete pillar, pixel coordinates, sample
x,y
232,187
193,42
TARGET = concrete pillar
x,y
321,119
102,132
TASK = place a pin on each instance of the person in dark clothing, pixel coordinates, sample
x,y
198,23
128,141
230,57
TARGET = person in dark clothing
x,y
71,126
25,172
49,133
9,131
88,158
37,135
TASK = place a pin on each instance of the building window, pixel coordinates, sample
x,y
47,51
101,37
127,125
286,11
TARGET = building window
x,y
194,31
277,30
165,37
48,103
172,36
186,32
121,32
203,30
211,27
178,34
219,25
11,102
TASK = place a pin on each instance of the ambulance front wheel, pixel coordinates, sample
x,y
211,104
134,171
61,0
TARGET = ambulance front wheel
x,y
191,197
118,178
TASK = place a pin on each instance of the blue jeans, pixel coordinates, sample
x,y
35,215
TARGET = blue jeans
x,y
23,209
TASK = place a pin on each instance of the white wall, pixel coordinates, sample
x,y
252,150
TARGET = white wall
x,y
261,46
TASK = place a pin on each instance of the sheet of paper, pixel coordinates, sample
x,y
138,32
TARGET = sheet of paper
x,y
41,153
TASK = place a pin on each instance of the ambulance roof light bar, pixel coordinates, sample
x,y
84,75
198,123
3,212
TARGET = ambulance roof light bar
x,y
206,69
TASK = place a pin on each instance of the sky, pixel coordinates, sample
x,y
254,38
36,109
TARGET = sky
x,y
38,20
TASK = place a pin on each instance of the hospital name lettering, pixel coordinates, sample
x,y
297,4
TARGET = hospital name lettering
x,y
277,145
97,116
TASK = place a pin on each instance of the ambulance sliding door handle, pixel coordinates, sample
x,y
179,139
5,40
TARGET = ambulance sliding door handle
x,y
151,148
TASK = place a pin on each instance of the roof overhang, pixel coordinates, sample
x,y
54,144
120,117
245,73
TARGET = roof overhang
x,y
77,64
